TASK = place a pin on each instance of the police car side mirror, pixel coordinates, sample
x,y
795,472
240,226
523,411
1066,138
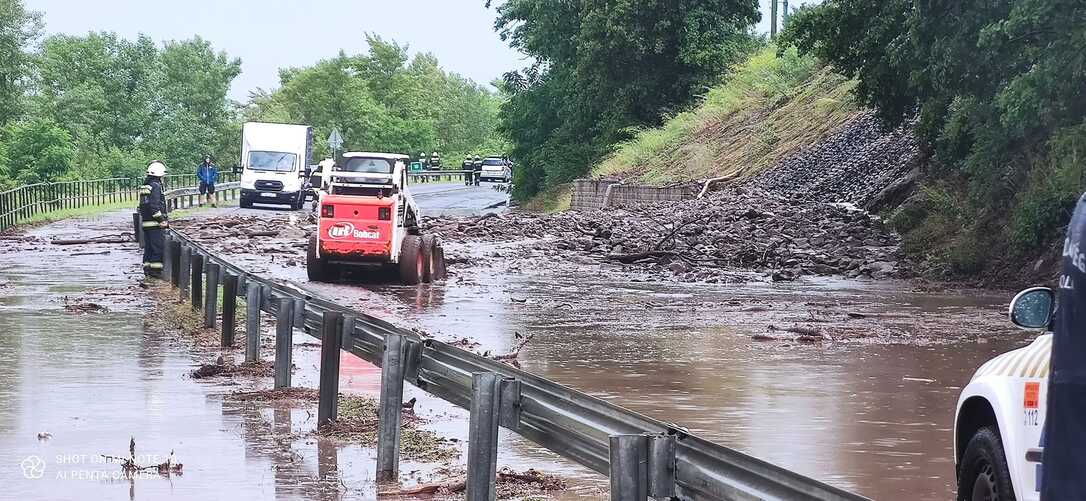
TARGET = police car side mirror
x,y
1032,308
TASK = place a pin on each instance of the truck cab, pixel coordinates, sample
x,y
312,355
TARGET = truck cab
x,y
368,218
1001,411
274,160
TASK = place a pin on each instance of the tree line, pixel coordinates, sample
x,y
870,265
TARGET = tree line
x,y
995,90
604,68
98,105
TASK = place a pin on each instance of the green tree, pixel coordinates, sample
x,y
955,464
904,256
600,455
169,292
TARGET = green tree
x,y
602,66
997,90
384,100
18,28
37,150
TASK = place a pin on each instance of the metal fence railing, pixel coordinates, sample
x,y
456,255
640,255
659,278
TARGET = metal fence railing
x,y
24,203
643,456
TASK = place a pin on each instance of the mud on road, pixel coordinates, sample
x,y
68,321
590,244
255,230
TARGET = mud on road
x,y
844,379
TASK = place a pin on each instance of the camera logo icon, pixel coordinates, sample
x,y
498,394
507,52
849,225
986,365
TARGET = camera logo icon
x,y
33,467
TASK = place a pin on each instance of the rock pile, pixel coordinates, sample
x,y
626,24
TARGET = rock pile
x,y
705,240
858,164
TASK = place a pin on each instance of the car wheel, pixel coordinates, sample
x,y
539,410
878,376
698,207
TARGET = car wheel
x,y
984,475
315,267
411,263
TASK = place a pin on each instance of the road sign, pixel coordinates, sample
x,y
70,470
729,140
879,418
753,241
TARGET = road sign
x,y
335,140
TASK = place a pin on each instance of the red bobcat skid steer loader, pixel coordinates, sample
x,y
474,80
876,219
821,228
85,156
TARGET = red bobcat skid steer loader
x,y
368,218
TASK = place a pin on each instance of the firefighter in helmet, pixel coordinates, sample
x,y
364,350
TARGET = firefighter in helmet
x,y
477,166
469,170
153,212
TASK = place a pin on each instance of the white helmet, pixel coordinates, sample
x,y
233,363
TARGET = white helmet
x,y
156,168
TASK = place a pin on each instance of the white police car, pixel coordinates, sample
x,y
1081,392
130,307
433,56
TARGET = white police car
x,y
1000,414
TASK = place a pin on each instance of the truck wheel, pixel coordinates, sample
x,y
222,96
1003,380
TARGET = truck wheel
x,y
297,204
429,245
316,268
412,267
984,474
245,203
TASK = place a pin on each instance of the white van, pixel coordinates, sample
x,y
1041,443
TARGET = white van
x,y
1000,413
274,160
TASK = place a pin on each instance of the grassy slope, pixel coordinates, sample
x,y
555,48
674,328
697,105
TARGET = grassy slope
x,y
770,107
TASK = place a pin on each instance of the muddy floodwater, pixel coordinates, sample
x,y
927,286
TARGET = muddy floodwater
x,y
870,415
866,404
81,375
868,408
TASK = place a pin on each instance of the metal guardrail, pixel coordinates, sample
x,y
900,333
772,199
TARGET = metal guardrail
x,y
23,203
425,176
643,456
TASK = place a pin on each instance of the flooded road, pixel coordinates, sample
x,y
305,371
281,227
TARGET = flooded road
x,y
869,408
870,415
80,385
82,375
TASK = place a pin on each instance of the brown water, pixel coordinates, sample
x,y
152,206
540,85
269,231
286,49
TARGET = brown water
x,y
870,411
94,381
873,414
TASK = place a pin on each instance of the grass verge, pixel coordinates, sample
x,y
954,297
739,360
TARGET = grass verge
x,y
771,106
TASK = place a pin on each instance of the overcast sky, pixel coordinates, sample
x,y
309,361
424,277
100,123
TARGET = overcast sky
x,y
269,34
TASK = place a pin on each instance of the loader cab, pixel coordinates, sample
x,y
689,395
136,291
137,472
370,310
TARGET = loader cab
x,y
370,174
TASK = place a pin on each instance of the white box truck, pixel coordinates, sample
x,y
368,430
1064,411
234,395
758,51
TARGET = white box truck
x,y
274,158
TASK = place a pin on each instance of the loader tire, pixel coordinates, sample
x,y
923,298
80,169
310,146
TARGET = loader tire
x,y
429,257
315,267
412,266
439,272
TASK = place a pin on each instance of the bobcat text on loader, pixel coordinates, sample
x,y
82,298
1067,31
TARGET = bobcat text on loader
x,y
367,218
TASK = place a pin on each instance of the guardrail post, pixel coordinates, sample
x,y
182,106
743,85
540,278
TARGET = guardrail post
x,y
483,435
185,274
331,341
229,308
252,322
175,262
629,467
390,410
167,257
211,297
662,466
197,281
284,342
299,314
137,228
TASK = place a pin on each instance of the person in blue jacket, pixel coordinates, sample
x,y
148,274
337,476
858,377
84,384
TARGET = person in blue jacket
x,y
1064,462
208,174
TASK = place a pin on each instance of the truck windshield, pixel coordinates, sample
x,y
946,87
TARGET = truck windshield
x,y
369,165
272,161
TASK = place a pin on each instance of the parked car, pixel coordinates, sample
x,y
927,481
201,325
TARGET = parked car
x,y
496,169
1001,411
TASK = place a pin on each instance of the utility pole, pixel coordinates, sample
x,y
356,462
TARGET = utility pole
x,y
773,19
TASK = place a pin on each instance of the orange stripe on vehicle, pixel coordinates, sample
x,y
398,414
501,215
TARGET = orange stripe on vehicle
x,y
1044,350
1022,364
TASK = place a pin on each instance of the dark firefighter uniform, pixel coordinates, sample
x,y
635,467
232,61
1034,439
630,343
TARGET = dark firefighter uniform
x,y
1064,467
153,212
